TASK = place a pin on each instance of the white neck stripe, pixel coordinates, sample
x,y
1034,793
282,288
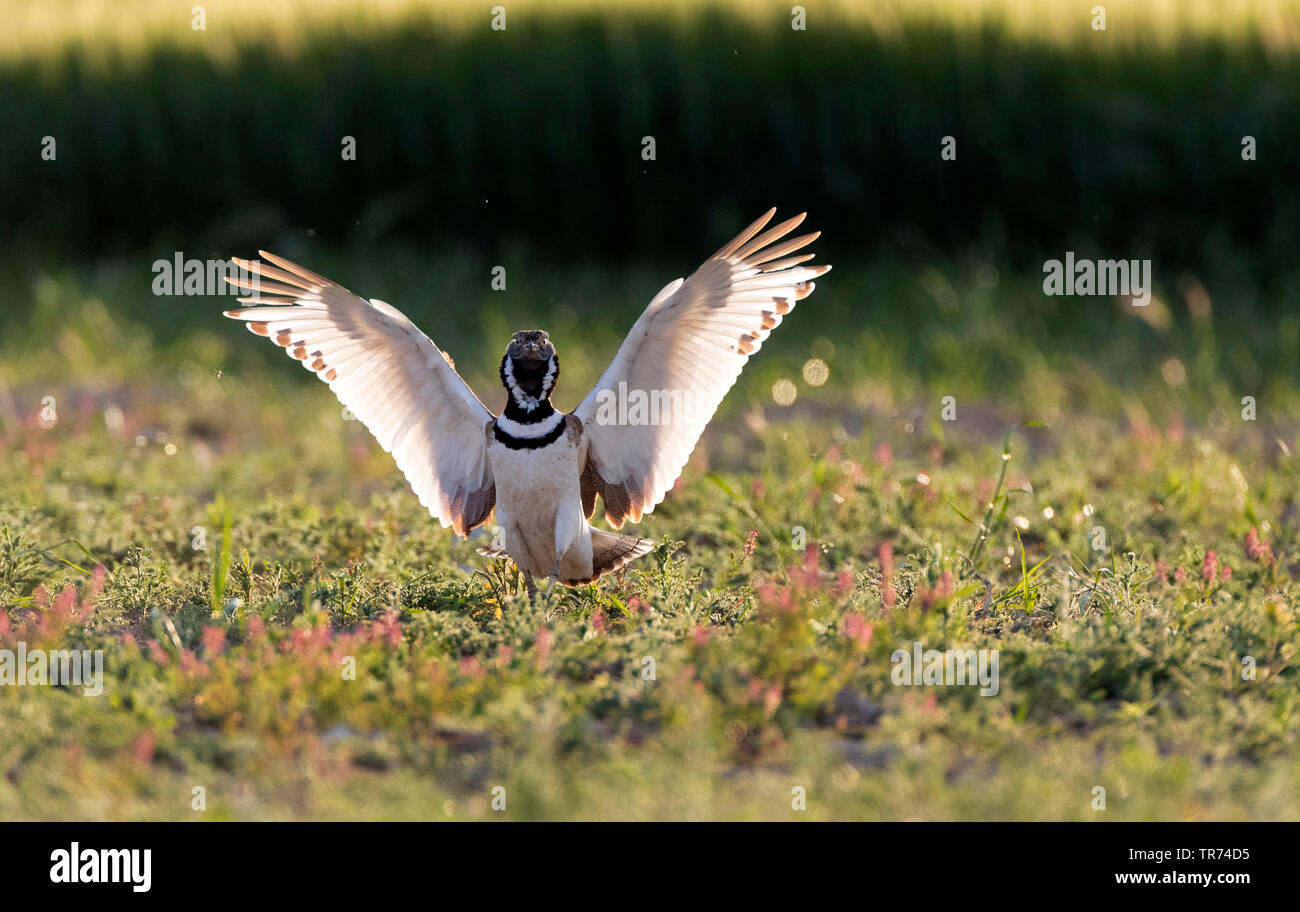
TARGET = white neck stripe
x,y
521,431
523,400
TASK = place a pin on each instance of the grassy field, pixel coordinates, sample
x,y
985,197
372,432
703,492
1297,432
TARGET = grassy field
x,y
197,507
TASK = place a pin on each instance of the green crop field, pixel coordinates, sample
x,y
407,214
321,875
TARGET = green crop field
x,y
929,450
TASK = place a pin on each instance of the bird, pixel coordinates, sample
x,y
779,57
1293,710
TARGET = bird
x,y
541,469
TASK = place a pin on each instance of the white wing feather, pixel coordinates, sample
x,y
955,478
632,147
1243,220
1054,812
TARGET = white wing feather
x,y
389,375
691,342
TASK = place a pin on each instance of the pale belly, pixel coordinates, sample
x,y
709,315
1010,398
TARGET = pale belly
x,y
539,508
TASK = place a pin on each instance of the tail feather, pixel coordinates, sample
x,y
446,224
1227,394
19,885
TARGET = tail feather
x,y
612,551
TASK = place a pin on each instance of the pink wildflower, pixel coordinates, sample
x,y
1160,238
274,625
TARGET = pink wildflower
x,y
1210,567
858,629
771,700
191,665
469,666
885,455
214,641
158,654
886,555
143,747
844,582
942,589
1258,549
811,566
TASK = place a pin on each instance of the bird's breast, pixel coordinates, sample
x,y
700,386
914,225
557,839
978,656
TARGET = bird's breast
x,y
536,476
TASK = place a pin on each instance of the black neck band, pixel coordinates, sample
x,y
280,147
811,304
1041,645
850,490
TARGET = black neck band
x,y
529,443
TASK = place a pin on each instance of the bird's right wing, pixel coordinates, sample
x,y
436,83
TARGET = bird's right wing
x,y
389,375
686,351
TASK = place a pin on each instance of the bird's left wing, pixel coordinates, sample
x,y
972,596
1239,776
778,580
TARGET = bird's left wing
x,y
650,406
389,375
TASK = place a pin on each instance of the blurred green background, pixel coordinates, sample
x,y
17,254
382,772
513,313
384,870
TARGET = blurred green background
x,y
1126,139
523,147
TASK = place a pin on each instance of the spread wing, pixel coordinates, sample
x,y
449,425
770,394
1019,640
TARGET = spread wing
x,y
679,360
388,374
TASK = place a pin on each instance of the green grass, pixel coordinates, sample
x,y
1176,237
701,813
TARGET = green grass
x,y
1120,665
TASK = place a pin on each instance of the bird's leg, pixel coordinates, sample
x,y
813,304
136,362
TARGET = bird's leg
x,y
532,587
552,578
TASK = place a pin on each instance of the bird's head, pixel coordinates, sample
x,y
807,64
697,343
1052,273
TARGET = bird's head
x,y
530,369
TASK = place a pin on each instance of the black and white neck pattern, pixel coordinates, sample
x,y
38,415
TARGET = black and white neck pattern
x,y
525,398
529,421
